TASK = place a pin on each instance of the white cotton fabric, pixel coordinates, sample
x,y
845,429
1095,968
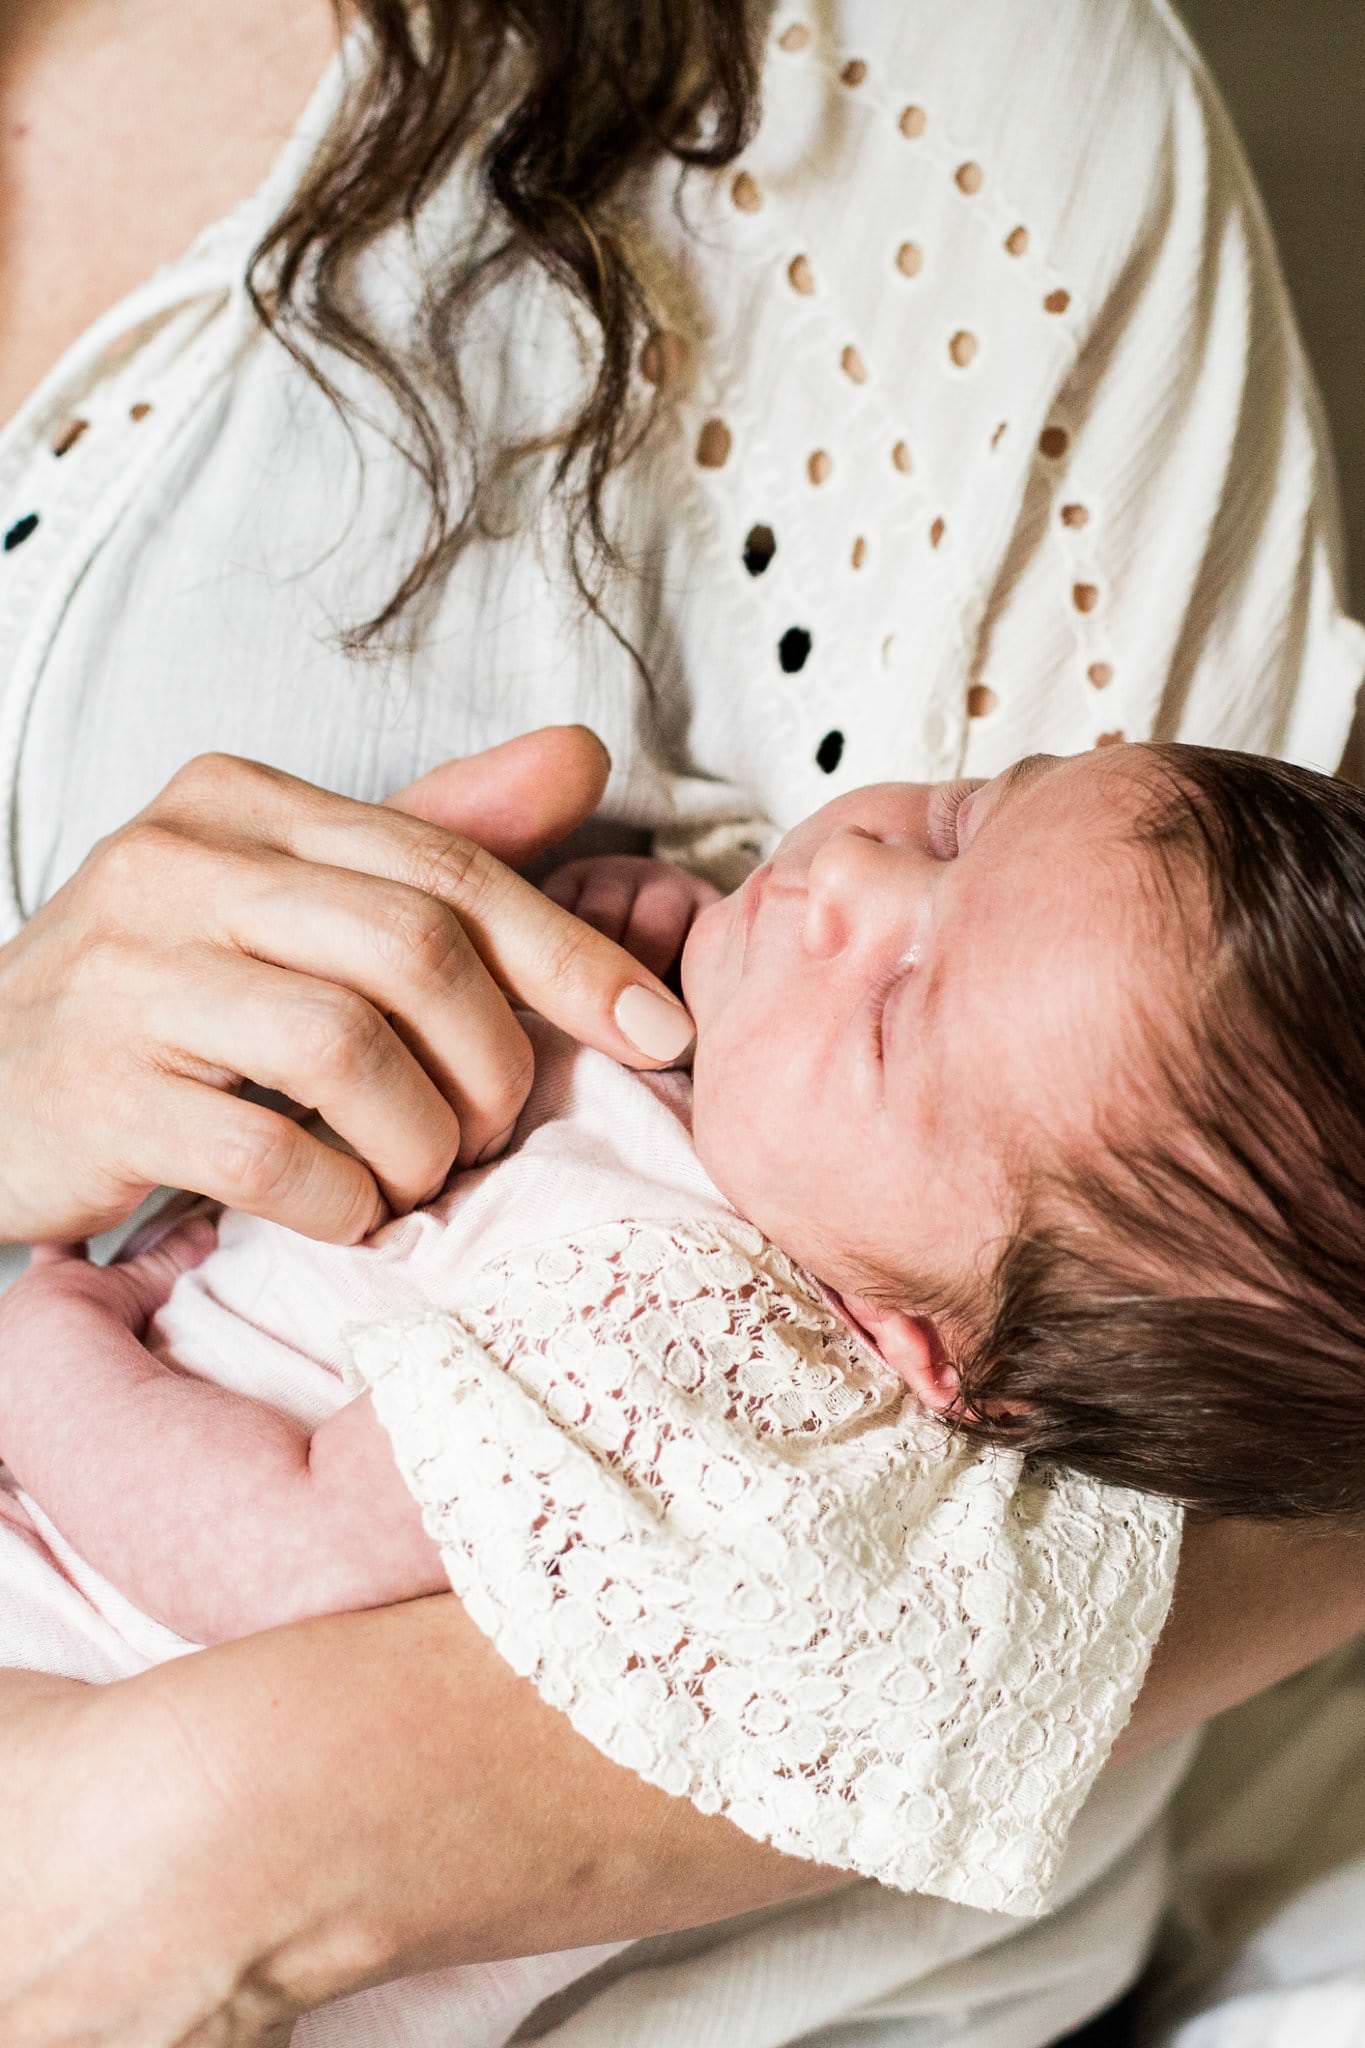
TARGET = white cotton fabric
x,y
1163,564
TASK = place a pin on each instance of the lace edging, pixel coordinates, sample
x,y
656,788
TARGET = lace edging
x,y
862,1644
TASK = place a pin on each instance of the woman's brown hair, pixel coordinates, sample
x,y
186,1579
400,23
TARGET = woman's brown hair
x,y
567,103
1183,1310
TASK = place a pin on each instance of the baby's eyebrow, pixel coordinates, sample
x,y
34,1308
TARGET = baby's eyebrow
x,y
1022,772
1012,781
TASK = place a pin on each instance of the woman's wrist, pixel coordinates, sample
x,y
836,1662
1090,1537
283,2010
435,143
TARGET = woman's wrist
x,y
249,1851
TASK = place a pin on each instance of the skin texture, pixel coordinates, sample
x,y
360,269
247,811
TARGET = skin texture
x,y
127,126
217,1514
285,1894
906,1006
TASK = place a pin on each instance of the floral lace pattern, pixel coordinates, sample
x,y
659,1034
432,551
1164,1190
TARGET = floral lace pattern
x,y
715,1531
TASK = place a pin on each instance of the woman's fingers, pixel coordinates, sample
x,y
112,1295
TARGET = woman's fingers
x,y
554,963
249,1157
539,954
248,927
535,951
409,956
321,1042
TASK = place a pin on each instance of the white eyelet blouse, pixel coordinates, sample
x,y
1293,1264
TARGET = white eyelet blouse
x,y
986,430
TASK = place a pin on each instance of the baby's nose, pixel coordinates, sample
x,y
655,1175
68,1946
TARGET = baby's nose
x,y
846,888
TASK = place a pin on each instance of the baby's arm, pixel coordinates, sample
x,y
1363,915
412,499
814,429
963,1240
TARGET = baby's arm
x,y
214,1513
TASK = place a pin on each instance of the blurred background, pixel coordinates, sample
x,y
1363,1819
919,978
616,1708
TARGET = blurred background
x,y
1293,74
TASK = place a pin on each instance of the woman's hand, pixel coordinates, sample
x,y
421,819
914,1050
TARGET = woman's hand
x,y
358,958
645,905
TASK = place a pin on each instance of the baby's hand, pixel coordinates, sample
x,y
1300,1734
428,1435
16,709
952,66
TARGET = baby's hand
x,y
645,905
131,1290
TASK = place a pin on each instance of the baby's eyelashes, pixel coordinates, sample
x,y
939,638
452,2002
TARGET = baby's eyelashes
x,y
943,816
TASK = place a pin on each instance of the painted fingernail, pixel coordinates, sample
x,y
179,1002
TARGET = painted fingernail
x,y
496,1145
654,1026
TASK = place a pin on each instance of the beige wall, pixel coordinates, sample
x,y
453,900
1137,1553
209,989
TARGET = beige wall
x,y
1293,73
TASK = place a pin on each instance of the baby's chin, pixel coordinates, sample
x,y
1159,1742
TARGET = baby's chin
x,y
702,953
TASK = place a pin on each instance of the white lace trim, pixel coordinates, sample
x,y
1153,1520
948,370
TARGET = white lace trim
x,y
678,1495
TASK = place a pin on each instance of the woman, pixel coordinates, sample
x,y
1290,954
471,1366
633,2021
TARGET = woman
x,y
981,428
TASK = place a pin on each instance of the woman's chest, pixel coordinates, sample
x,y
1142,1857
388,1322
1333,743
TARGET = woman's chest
x,y
813,536
205,608
199,601
125,132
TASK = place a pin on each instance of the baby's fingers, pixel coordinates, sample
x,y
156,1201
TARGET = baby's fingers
x,y
139,1287
601,892
660,919
74,1253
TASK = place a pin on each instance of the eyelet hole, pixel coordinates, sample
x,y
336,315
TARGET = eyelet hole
x,y
714,444
793,649
760,546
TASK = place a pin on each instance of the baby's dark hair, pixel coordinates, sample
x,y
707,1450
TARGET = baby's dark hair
x,y
1183,1311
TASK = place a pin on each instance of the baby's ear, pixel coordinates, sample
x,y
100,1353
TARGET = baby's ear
x,y
912,1347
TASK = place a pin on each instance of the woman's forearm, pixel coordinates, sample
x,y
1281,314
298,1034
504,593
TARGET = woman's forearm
x,y
478,1824
360,1797
430,1809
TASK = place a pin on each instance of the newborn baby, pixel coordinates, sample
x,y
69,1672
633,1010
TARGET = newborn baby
x,y
713,1398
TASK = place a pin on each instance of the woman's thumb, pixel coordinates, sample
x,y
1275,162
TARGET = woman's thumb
x,y
516,799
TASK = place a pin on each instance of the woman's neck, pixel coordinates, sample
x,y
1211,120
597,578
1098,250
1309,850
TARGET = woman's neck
x,y
126,127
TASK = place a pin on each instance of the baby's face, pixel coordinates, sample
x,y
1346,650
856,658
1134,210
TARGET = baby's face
x,y
904,1001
